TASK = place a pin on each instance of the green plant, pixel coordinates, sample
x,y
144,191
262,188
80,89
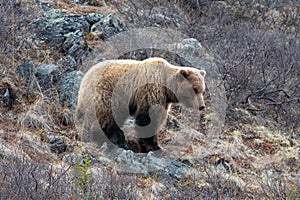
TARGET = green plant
x,y
83,176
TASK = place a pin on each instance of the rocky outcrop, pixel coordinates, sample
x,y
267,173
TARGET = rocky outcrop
x,y
108,27
65,33
67,64
47,75
52,27
75,45
26,69
58,31
68,88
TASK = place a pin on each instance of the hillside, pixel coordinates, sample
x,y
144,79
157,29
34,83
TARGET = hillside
x,y
245,145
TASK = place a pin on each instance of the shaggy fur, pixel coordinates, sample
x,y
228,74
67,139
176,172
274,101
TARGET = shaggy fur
x,y
114,90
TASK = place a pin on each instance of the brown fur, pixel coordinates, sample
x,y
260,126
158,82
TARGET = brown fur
x,y
113,90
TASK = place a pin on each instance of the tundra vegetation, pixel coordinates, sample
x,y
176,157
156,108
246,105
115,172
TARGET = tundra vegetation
x,y
47,46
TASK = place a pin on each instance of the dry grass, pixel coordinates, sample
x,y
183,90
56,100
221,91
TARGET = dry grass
x,y
28,170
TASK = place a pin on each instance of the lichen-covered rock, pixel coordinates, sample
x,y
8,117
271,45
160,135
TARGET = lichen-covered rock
x,y
46,75
67,64
109,26
88,2
53,25
8,93
80,1
93,18
75,45
58,145
26,69
68,88
189,47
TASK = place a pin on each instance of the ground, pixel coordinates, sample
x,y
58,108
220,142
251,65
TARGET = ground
x,y
254,155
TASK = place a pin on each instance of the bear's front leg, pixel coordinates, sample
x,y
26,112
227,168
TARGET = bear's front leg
x,y
148,144
116,135
147,126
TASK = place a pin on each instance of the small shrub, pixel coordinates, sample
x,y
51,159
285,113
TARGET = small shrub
x,y
83,176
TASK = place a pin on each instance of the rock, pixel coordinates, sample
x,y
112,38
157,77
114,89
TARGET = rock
x,y
58,145
26,69
175,169
93,18
68,88
53,139
159,16
189,47
51,28
108,26
239,115
192,47
196,135
158,188
45,70
47,75
72,158
8,93
173,123
86,158
87,2
5,99
75,45
224,165
80,1
67,64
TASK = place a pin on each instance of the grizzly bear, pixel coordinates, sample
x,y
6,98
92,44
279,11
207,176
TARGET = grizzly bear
x,y
113,90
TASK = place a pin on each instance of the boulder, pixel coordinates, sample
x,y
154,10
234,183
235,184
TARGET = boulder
x,y
67,64
57,30
108,26
46,75
93,18
26,69
68,88
75,45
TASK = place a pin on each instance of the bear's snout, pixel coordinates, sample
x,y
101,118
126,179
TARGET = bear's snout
x,y
201,107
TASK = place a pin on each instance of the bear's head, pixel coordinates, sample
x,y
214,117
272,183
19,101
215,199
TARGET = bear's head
x,y
191,87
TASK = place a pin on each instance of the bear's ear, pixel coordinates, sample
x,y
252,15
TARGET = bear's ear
x,y
203,73
184,73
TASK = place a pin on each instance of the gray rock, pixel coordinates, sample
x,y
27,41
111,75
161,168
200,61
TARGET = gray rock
x,y
53,139
67,64
58,145
188,47
176,169
75,45
93,18
26,69
85,158
47,75
87,2
68,88
108,26
158,16
80,1
53,25
72,158
45,70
